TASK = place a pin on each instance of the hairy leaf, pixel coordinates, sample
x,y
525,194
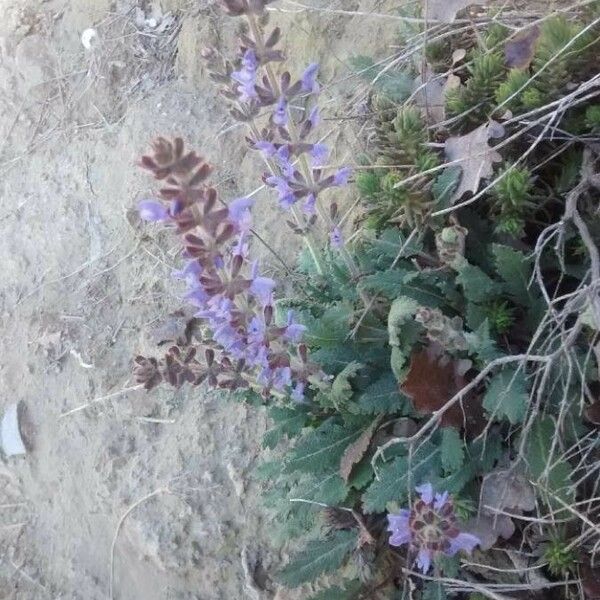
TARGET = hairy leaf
x,y
382,396
287,422
402,310
319,557
321,449
552,472
515,269
327,488
444,186
481,344
355,451
477,286
507,395
452,450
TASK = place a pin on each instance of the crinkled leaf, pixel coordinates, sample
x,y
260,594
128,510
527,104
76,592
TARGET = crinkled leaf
x,y
388,283
507,396
318,557
452,450
402,310
331,328
341,388
327,488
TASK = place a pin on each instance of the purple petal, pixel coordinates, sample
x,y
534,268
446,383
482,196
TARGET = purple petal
x,y
424,559
309,205
280,116
298,392
399,527
336,238
267,148
463,541
262,287
309,78
239,213
342,176
426,491
282,378
151,210
319,154
439,500
249,60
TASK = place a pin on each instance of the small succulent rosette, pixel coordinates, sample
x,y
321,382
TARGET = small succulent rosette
x,y
430,528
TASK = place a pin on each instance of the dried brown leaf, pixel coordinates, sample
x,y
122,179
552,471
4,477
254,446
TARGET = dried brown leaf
x,y
354,453
507,489
519,51
474,155
489,528
445,10
430,94
433,378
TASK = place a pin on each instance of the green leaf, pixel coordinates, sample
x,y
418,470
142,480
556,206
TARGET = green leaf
x,y
382,396
288,422
445,184
452,450
330,329
516,270
396,85
319,557
546,466
321,449
403,309
434,590
507,395
387,283
328,488
349,591
341,389
396,476
481,344
477,286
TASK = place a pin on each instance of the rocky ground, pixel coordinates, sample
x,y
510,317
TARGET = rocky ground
x,y
130,495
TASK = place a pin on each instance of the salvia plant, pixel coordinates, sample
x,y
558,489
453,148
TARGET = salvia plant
x,y
433,381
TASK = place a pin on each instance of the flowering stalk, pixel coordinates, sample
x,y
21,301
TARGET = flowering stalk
x,y
244,346
285,141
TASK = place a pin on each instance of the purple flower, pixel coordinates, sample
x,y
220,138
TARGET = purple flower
x,y
298,392
293,331
261,287
335,237
319,154
151,210
309,205
282,378
309,78
246,77
267,148
430,528
341,177
189,273
280,115
239,213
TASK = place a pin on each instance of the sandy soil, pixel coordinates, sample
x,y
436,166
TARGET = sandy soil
x,y
155,488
